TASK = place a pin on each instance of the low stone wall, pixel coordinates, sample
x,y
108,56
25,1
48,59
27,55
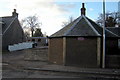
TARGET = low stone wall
x,y
113,61
36,54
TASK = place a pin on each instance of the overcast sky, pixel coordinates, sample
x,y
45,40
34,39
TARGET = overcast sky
x,y
53,12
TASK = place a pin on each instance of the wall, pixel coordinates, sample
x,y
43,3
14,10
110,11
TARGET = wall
x,y
112,46
81,52
113,61
36,54
112,53
41,41
56,50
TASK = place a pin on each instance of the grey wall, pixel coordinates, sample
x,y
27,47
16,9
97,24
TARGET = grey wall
x,y
112,46
113,61
112,53
55,54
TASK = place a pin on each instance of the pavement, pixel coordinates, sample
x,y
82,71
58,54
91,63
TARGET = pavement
x,y
15,62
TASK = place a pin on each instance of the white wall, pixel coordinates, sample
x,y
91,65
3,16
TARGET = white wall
x,y
20,46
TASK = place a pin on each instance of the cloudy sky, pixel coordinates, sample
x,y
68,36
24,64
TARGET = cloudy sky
x,y
53,12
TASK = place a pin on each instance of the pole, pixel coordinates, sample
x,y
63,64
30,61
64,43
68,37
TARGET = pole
x,y
103,61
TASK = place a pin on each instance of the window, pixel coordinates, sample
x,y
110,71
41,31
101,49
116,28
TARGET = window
x,y
39,40
28,40
33,40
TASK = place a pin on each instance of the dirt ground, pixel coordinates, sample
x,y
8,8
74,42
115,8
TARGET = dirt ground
x,y
33,63
14,64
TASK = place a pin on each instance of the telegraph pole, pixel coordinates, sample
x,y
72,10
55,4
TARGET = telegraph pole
x,y
103,58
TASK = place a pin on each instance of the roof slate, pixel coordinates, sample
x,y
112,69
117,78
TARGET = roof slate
x,y
82,26
6,22
115,30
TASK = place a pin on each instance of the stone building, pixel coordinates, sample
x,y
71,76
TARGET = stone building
x,y
41,41
79,43
113,49
12,32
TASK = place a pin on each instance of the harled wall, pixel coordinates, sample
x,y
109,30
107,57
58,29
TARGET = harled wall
x,y
55,54
82,52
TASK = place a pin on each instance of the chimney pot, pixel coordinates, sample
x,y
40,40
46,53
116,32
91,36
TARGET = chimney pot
x,y
83,10
14,10
82,5
14,14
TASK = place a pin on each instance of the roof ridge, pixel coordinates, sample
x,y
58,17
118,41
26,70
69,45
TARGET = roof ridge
x,y
6,17
106,29
91,26
94,22
9,26
73,25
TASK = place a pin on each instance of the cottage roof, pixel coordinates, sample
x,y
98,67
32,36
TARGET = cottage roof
x,y
82,26
7,21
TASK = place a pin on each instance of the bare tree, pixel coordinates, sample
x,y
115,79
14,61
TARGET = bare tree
x,y
112,19
27,34
31,22
65,23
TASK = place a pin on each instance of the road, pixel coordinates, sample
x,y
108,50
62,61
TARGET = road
x,y
33,63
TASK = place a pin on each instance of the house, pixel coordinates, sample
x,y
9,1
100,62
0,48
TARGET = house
x,y
113,49
112,45
41,41
12,32
79,43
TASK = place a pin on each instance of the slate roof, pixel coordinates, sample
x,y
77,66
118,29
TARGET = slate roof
x,y
115,30
6,22
82,26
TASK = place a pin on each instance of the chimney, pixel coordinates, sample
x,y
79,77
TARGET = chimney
x,y
14,14
83,9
